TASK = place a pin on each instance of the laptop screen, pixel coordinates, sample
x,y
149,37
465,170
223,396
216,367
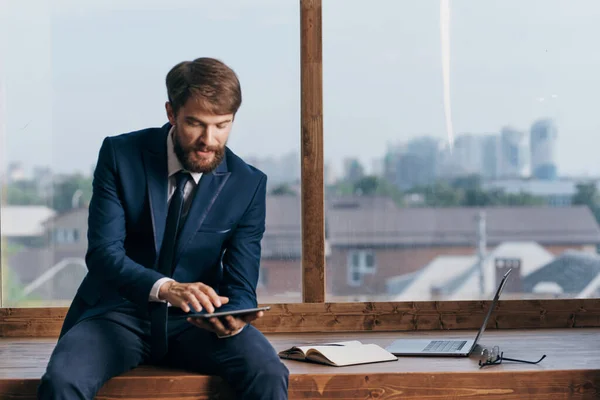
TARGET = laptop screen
x,y
492,306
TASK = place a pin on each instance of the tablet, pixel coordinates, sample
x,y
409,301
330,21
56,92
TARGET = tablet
x,y
231,312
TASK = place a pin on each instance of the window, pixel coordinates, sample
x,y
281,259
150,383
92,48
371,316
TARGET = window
x,y
453,138
62,93
472,144
360,263
65,236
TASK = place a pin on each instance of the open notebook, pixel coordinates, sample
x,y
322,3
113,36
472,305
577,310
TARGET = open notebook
x,y
339,354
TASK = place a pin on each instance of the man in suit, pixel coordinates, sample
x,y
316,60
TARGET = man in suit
x,y
175,225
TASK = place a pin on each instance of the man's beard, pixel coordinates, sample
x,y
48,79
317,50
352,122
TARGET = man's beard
x,y
190,161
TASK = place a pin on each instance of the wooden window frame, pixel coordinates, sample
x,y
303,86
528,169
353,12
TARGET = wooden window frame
x,y
314,314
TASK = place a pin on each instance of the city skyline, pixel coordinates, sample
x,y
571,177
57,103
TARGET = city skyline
x,y
108,78
467,157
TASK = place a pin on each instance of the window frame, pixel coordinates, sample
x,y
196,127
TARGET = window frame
x,y
313,311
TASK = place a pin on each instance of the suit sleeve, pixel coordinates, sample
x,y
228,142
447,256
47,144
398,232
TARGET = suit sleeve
x,y
241,261
105,257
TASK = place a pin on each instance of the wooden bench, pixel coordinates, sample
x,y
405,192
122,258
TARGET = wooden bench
x,y
571,370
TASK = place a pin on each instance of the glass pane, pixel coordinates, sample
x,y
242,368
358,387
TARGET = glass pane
x,y
461,141
356,259
81,71
369,259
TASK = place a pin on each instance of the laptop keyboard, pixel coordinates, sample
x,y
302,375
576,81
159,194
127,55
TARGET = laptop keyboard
x,y
445,346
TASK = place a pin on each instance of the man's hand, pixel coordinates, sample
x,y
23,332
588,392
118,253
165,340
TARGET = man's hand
x,y
198,295
225,326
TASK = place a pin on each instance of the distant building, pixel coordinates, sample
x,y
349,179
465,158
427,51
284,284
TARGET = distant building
x,y
415,163
369,240
368,246
536,273
24,225
472,154
512,153
53,272
15,172
44,180
280,170
280,277
543,150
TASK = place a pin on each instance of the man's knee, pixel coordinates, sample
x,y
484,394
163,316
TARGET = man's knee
x,y
272,373
63,383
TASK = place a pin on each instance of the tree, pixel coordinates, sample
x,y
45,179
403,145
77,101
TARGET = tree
x,y
367,185
69,188
467,192
23,193
283,190
374,186
471,182
587,194
440,194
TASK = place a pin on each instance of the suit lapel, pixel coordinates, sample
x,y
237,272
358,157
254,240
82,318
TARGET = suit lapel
x,y
208,190
157,176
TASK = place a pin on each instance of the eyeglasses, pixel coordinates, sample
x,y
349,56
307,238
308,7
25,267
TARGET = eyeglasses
x,y
493,356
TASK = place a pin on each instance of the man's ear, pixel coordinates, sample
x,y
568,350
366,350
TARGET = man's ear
x,y
170,112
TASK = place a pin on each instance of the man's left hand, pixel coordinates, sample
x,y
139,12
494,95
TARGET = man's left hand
x,y
225,326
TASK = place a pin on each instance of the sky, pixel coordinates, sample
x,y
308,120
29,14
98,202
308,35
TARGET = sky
x,y
73,72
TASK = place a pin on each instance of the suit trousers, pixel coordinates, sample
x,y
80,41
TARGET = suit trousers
x,y
99,348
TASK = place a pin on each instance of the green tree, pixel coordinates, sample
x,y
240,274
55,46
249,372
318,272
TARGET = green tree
x,y
342,188
467,192
282,190
476,197
440,194
587,194
374,186
522,199
467,182
23,193
367,185
76,187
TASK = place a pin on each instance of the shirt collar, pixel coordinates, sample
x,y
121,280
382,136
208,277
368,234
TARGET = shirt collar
x,y
173,162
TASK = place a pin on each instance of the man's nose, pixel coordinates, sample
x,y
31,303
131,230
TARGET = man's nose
x,y
209,135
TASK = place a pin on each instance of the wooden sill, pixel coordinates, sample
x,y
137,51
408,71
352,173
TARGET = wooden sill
x,y
571,370
357,317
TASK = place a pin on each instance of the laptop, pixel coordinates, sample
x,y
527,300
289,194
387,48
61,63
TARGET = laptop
x,y
444,347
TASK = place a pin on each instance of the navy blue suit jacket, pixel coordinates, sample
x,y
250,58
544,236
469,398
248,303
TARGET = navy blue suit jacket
x,y
219,243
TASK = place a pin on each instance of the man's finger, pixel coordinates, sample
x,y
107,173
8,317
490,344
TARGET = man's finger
x,y
203,299
231,323
218,326
212,295
253,316
181,303
191,298
201,324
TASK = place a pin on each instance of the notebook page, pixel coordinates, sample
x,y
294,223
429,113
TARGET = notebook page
x,y
367,353
319,346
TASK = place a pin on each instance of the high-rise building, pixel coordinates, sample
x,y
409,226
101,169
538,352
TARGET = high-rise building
x,y
472,154
543,149
512,154
353,170
412,164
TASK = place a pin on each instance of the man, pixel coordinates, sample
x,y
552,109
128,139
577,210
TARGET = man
x,y
175,225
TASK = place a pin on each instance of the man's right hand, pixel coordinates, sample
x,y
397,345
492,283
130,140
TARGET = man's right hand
x,y
197,294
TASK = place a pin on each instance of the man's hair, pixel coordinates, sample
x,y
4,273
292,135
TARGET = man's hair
x,y
206,80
